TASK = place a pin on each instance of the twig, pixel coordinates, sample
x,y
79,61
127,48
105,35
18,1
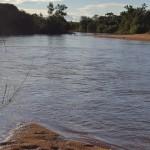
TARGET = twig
x,y
9,99
3,39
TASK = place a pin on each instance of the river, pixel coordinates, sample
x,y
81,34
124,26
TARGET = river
x,y
80,86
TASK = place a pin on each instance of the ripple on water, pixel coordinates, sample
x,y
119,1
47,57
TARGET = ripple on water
x,y
81,86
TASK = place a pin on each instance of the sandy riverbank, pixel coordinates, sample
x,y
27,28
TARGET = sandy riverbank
x,y
36,137
140,37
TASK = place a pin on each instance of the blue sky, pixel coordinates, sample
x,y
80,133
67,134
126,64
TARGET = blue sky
x,y
77,8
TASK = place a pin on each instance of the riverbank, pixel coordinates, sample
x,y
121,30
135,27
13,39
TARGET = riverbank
x,y
140,37
35,136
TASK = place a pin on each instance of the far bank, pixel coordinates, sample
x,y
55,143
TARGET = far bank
x,y
140,37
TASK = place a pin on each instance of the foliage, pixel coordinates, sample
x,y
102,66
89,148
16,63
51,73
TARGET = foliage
x,y
131,21
84,21
58,10
14,21
55,22
73,26
56,25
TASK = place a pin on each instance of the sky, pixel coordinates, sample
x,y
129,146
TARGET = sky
x,y
78,8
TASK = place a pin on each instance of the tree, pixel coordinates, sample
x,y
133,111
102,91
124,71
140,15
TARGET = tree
x,y
91,27
147,20
56,22
50,8
40,23
143,8
132,20
58,10
84,21
14,21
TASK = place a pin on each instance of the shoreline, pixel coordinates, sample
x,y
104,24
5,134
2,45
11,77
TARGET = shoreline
x,y
35,136
139,37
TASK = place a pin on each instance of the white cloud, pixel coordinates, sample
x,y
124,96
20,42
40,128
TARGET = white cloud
x,y
100,8
72,18
37,11
69,17
22,1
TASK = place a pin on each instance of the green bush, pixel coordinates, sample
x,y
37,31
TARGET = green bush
x,y
137,29
91,27
101,28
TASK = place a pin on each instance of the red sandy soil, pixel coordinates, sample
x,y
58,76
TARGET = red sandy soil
x,y
140,37
36,137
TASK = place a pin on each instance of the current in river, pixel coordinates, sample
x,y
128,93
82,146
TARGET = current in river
x,y
79,85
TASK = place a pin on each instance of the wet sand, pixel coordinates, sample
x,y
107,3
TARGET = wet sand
x,y
140,37
37,137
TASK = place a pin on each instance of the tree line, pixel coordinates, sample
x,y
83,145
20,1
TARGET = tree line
x,y
15,21
131,21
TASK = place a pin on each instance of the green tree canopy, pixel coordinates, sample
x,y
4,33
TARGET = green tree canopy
x,y
15,21
58,10
132,20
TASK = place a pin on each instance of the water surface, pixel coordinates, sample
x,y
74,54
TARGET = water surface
x,y
81,86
